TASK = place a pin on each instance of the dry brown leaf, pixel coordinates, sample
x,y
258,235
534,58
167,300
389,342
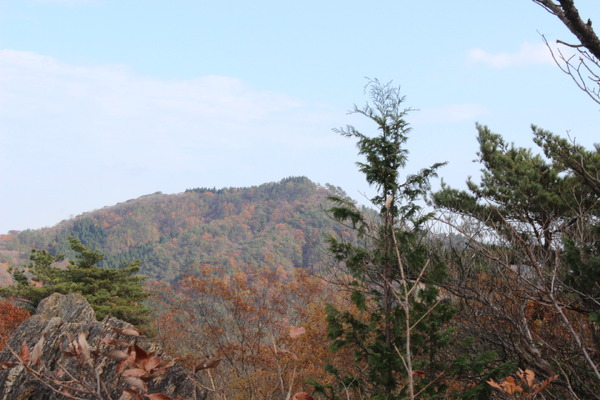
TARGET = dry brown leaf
x,y
545,384
152,363
136,383
118,355
84,347
212,363
296,332
493,384
140,355
24,354
129,394
126,395
527,376
36,353
509,385
137,372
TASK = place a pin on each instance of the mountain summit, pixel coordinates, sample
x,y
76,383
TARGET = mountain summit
x,y
277,225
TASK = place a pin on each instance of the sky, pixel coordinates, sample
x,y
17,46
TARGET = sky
x,y
102,101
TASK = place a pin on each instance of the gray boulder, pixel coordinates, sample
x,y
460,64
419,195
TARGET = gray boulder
x,y
68,325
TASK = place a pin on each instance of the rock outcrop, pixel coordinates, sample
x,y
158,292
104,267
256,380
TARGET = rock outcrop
x,y
68,325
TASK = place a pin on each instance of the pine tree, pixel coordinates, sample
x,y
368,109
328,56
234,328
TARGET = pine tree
x,y
110,291
392,274
533,226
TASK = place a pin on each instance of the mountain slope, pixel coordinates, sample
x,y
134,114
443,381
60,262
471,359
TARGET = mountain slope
x,y
277,225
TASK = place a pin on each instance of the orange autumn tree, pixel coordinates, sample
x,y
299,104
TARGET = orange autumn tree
x,y
267,328
11,317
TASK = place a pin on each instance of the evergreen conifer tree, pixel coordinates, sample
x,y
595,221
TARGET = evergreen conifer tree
x,y
392,273
110,291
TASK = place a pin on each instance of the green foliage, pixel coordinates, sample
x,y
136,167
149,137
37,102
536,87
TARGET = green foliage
x,y
532,201
515,185
274,224
581,163
401,323
110,291
533,221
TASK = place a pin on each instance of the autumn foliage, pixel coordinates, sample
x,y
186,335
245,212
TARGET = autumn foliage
x,y
11,317
525,386
267,327
513,285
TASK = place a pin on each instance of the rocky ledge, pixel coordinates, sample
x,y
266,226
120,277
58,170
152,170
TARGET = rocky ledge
x,y
62,351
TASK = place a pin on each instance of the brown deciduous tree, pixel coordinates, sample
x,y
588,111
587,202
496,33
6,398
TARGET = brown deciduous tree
x,y
267,327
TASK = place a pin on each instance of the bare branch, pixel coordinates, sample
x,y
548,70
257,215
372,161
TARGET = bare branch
x,y
583,68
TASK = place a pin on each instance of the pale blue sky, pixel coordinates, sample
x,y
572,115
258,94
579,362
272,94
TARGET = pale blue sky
x,y
102,101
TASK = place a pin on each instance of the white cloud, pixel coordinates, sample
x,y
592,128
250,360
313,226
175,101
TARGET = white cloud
x,y
80,137
528,54
109,102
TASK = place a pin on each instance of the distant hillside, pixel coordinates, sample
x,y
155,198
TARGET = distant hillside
x,y
275,225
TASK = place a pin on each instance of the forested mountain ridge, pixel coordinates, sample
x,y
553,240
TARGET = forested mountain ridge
x,y
277,225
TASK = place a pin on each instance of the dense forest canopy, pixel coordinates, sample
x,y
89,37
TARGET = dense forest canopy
x,y
274,224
